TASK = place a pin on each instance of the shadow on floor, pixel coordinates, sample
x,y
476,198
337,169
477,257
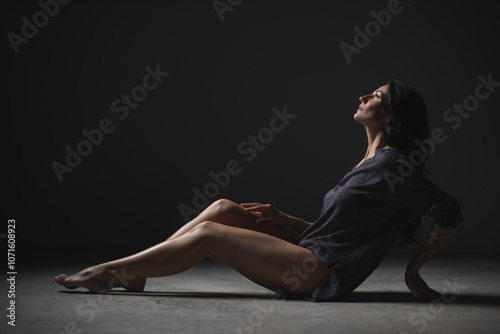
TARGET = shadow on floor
x,y
193,294
406,297
354,297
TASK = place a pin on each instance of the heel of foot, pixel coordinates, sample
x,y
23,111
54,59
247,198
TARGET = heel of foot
x,y
136,285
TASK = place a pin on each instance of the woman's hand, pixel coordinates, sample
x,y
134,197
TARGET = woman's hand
x,y
265,213
419,289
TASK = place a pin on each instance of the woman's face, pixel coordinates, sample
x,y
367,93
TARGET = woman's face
x,y
374,109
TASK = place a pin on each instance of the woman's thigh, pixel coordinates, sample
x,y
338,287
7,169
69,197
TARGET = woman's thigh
x,y
266,260
229,213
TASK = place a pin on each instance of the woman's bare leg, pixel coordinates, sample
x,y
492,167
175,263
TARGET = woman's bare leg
x,y
229,213
264,259
222,211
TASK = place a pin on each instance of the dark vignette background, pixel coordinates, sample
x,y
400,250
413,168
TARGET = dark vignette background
x,y
225,79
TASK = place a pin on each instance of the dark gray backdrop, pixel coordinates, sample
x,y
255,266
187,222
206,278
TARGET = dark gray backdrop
x,y
225,79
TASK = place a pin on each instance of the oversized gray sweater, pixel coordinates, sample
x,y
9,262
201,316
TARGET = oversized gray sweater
x,y
363,216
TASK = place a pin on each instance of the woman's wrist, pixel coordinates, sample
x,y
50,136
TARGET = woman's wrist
x,y
412,269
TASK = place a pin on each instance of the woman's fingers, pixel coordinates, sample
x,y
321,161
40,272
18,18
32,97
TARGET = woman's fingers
x,y
247,205
420,290
257,213
256,207
426,295
429,293
265,209
264,212
269,220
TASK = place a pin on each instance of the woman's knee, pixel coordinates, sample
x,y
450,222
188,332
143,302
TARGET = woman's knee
x,y
208,235
206,230
224,206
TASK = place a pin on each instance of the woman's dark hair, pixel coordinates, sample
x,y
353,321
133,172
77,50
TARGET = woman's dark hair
x,y
408,124
408,121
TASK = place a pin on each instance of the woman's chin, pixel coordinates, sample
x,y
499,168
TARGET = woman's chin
x,y
359,119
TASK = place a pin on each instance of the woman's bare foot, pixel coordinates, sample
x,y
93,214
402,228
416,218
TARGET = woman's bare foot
x,y
90,278
101,280
134,285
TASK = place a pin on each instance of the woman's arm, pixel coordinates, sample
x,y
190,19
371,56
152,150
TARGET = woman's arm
x,y
296,224
423,197
419,289
269,214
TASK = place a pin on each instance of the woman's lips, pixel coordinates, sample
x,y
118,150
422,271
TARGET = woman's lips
x,y
360,108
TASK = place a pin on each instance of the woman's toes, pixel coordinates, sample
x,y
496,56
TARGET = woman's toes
x,y
59,278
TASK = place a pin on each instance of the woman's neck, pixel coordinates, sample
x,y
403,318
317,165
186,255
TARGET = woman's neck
x,y
376,140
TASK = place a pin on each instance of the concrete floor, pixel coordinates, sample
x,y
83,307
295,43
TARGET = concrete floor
x,y
211,298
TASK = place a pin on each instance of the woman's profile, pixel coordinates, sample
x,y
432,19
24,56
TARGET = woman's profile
x,y
376,205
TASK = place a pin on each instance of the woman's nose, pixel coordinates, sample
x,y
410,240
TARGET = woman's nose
x,y
364,98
